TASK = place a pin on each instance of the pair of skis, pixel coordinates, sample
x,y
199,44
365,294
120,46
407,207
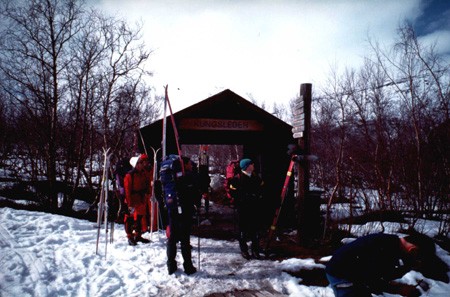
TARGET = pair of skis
x,y
273,227
102,207
154,205
153,202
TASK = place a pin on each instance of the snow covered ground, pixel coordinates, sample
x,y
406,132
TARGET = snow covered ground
x,y
51,255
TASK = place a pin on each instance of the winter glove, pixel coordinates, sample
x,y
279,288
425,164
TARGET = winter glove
x,y
423,284
409,291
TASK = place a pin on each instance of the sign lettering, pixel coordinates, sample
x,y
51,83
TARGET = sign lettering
x,y
220,124
298,135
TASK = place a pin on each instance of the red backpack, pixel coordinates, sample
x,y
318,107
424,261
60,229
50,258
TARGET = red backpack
x,y
233,168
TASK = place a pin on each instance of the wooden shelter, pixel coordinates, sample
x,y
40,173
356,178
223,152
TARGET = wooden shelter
x,y
227,118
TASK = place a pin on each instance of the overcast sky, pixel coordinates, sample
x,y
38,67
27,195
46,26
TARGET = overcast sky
x,y
264,49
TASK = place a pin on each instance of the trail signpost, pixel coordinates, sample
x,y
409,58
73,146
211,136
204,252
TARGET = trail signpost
x,y
301,108
302,131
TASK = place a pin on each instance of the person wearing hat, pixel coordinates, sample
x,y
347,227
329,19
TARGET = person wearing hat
x,y
246,189
370,263
137,188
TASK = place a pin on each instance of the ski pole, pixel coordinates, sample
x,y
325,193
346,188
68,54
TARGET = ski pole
x,y
106,187
198,235
101,204
142,140
111,236
160,221
99,220
153,204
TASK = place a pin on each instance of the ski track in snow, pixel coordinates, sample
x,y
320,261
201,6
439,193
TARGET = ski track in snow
x,y
35,270
50,255
59,257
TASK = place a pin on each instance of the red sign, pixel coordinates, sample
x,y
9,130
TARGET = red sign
x,y
220,124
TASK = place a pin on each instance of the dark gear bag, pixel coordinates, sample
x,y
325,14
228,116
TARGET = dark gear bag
x,y
169,173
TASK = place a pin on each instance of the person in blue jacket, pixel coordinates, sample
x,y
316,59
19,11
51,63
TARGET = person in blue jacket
x,y
370,263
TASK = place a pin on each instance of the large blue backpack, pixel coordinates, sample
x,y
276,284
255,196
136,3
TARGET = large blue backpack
x,y
169,172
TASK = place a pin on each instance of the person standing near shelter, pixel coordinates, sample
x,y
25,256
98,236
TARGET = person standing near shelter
x,y
122,167
370,263
137,191
180,208
246,189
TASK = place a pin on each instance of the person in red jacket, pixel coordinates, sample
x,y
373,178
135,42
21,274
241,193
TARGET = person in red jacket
x,y
137,191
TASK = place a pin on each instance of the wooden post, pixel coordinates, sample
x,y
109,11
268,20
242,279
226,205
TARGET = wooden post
x,y
303,166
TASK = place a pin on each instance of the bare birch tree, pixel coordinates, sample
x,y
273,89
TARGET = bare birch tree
x,y
34,55
77,79
417,75
385,128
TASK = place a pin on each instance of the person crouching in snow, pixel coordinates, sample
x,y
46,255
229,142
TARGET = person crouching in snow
x,y
137,189
370,263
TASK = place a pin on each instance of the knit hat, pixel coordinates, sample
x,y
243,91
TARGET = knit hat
x,y
424,243
432,266
143,157
245,163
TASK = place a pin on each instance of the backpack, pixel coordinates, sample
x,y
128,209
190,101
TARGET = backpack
x,y
232,170
122,168
169,172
